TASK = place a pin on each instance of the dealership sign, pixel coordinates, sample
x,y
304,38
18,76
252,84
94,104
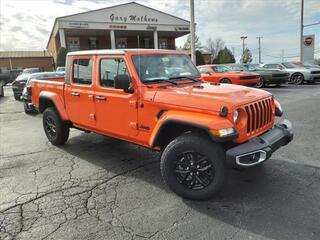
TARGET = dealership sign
x,y
308,48
132,18
308,41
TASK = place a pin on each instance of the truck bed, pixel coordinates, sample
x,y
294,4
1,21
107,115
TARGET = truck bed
x,y
54,86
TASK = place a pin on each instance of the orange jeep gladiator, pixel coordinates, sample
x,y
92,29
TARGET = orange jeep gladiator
x,y
156,99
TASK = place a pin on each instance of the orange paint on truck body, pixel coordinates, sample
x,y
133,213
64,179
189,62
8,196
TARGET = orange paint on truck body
x,y
139,114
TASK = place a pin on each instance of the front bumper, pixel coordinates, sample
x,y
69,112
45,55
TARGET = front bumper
x,y
315,78
259,149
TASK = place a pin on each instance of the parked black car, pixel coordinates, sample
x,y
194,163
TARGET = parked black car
x,y
268,76
8,76
18,85
26,93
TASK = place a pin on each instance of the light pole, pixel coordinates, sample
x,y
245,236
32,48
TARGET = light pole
x,y
301,31
259,41
192,30
243,38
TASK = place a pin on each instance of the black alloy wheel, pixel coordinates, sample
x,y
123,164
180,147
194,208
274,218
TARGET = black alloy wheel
x,y
194,170
50,127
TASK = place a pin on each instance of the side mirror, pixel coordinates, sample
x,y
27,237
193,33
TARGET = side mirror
x,y
122,82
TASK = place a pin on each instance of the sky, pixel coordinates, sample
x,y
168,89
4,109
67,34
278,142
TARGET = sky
x,y
26,24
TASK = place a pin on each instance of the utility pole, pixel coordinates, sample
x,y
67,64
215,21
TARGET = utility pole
x,y
243,38
259,41
192,30
282,55
233,51
301,31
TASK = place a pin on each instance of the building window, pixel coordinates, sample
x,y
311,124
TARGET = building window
x,y
93,44
163,43
121,43
73,44
109,69
82,71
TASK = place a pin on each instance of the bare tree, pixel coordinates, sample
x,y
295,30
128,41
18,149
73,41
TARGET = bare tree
x,y
187,45
214,46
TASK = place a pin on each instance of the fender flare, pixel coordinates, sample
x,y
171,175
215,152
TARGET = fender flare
x,y
203,122
57,102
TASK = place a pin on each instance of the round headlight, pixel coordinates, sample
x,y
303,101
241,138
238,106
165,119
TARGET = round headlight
x,y
235,116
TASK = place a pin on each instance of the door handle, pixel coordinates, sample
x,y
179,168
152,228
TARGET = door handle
x,y
100,98
76,94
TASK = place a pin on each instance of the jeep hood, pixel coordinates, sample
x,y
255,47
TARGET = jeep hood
x,y
208,97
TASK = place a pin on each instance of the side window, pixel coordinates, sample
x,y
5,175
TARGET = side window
x,y
109,69
82,71
203,70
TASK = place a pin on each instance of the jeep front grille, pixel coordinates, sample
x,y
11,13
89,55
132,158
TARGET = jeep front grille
x,y
259,115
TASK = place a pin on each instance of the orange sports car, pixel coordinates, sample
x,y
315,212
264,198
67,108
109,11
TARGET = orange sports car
x,y
223,74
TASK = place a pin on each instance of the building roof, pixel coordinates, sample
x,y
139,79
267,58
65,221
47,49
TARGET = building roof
x,y
23,54
126,13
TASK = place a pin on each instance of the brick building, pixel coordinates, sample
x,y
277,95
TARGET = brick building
x,y
129,25
26,59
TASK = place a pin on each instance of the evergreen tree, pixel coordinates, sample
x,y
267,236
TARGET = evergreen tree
x,y
247,56
199,57
224,56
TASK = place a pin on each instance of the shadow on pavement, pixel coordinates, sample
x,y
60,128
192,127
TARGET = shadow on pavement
x,y
269,200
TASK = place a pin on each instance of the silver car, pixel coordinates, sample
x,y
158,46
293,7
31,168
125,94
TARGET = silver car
x,y
297,74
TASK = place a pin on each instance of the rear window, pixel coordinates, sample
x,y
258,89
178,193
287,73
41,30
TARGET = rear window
x,y
82,71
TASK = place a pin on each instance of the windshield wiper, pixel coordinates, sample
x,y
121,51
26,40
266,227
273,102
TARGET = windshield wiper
x,y
160,80
184,77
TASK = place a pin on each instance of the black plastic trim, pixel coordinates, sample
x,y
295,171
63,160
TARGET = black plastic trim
x,y
269,142
279,112
193,125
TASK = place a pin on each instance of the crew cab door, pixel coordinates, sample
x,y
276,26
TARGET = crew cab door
x,y
79,92
116,110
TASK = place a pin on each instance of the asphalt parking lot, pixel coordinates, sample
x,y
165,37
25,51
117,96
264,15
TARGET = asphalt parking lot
x,y
96,187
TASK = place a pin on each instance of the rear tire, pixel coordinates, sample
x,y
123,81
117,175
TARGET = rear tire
x,y
57,131
225,80
261,83
193,166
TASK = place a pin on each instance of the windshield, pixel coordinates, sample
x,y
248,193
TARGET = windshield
x,y
162,67
23,77
221,68
237,68
289,65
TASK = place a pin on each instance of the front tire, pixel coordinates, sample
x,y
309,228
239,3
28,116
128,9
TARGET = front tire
x,y
193,166
57,131
297,78
16,97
